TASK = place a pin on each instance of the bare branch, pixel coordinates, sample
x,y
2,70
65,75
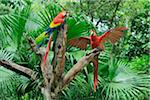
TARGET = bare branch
x,y
33,46
98,22
19,69
100,6
60,5
81,6
114,14
80,65
45,68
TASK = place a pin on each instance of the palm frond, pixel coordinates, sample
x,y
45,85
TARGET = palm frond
x,y
30,87
8,83
72,92
116,80
5,55
13,25
77,25
46,16
8,79
125,84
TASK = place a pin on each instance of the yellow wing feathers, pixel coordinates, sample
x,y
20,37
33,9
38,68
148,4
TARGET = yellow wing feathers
x,y
52,25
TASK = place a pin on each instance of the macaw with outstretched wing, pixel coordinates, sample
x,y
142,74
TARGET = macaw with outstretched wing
x,y
95,41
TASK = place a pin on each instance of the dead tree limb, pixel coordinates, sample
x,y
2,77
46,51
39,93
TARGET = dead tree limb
x,y
45,68
84,61
54,79
19,69
114,14
53,73
97,23
33,46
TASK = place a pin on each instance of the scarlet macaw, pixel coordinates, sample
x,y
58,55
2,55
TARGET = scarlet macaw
x,y
95,41
57,22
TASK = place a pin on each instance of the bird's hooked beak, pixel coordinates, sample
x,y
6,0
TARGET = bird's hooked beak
x,y
92,32
65,13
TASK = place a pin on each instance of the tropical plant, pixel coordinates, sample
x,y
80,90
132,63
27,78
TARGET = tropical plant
x,y
140,64
123,79
19,25
116,81
9,81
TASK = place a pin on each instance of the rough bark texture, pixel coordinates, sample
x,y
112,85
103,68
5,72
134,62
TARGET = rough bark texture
x,y
84,61
59,60
19,69
39,53
53,73
54,78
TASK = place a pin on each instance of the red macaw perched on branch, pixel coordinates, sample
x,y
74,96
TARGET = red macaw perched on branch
x,y
95,41
55,24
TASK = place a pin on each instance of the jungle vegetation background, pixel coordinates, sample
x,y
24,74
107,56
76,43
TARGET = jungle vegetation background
x,y
124,69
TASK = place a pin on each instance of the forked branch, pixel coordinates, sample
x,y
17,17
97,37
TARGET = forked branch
x,y
84,61
33,46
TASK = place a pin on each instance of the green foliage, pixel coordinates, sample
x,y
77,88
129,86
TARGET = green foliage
x,y
136,16
119,78
140,63
9,80
30,89
47,15
13,25
138,43
131,13
5,55
120,82
4,9
123,83
8,84
79,88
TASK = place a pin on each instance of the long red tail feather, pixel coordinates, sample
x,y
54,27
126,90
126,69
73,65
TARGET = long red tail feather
x,y
95,62
47,49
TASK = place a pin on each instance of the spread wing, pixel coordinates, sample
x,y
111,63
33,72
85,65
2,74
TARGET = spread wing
x,y
112,35
80,42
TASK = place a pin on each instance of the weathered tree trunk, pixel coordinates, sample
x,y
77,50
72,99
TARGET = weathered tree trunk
x,y
53,74
54,77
